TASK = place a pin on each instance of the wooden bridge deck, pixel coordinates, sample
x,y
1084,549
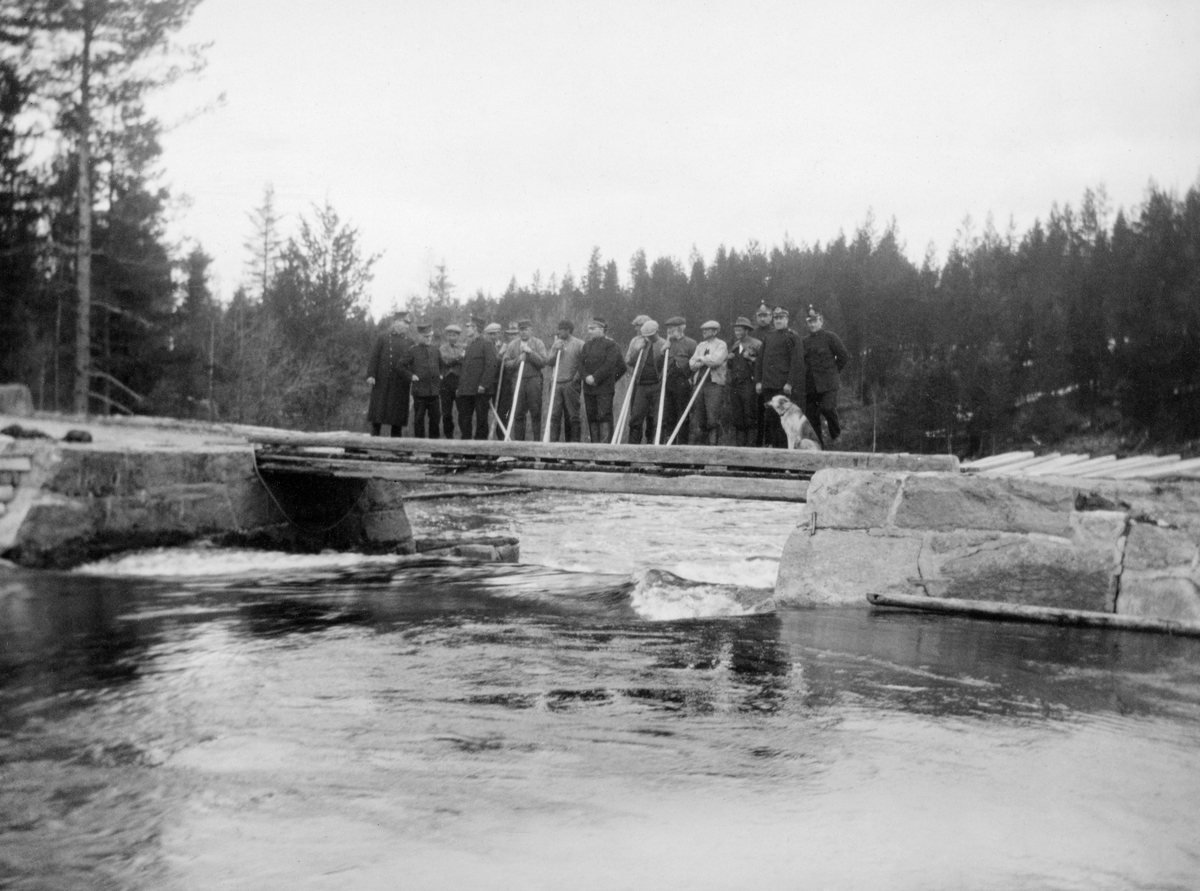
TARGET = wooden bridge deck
x,y
705,471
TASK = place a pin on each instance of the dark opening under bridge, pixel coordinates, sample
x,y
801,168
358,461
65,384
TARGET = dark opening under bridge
x,y
704,471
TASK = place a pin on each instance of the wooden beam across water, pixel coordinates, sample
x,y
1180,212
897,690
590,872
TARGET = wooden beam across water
x,y
665,457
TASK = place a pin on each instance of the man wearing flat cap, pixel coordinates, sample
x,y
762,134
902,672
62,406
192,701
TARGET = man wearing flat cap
x,y
477,381
602,365
564,355
452,355
426,385
389,373
744,355
650,346
780,372
824,358
679,379
528,353
708,411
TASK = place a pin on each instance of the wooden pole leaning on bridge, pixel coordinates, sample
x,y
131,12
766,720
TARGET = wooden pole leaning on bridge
x,y
553,390
683,417
990,609
512,410
662,395
624,416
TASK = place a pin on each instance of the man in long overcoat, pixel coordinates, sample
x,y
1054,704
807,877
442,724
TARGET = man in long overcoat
x,y
452,355
824,357
389,373
476,381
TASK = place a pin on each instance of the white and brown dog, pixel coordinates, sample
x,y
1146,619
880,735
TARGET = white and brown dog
x,y
794,423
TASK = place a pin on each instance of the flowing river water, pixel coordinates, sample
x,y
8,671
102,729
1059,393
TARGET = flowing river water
x,y
624,709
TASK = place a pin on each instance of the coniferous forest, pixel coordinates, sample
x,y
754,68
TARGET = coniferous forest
x,y
1086,326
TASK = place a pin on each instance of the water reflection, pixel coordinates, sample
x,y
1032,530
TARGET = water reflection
x,y
290,730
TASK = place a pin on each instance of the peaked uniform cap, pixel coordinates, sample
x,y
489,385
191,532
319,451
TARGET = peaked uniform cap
x,y
478,322
599,323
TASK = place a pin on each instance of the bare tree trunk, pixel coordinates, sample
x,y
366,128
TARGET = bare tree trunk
x,y
83,265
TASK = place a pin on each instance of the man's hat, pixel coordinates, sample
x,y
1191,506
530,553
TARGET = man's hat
x,y
493,328
402,316
812,313
711,325
424,328
649,328
743,322
780,311
524,323
511,329
763,308
452,329
599,323
566,325
639,320
676,320
478,323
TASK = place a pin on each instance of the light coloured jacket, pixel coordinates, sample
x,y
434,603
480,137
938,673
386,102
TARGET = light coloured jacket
x,y
711,354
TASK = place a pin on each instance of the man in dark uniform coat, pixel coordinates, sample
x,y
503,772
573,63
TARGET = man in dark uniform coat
x,y
452,355
477,381
762,319
781,371
679,378
744,355
601,364
824,356
389,372
426,384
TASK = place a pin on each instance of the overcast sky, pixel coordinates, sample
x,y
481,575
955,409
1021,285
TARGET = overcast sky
x,y
503,138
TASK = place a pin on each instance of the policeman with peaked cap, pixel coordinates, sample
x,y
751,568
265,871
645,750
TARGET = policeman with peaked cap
x,y
824,357
780,372
389,372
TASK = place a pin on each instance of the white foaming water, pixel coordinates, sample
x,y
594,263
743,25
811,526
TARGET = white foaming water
x,y
664,597
208,561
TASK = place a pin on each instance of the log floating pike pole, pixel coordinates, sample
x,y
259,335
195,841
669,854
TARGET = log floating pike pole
x,y
990,609
688,410
499,390
624,416
553,389
662,395
512,411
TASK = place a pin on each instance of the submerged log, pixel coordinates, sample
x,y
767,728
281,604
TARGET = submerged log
x,y
989,609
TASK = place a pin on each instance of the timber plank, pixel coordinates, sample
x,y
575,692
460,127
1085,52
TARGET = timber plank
x,y
692,485
671,456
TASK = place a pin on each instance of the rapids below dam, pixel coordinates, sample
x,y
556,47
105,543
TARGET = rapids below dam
x,y
626,708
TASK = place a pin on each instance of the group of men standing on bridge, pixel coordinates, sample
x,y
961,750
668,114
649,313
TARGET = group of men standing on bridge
x,y
706,392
